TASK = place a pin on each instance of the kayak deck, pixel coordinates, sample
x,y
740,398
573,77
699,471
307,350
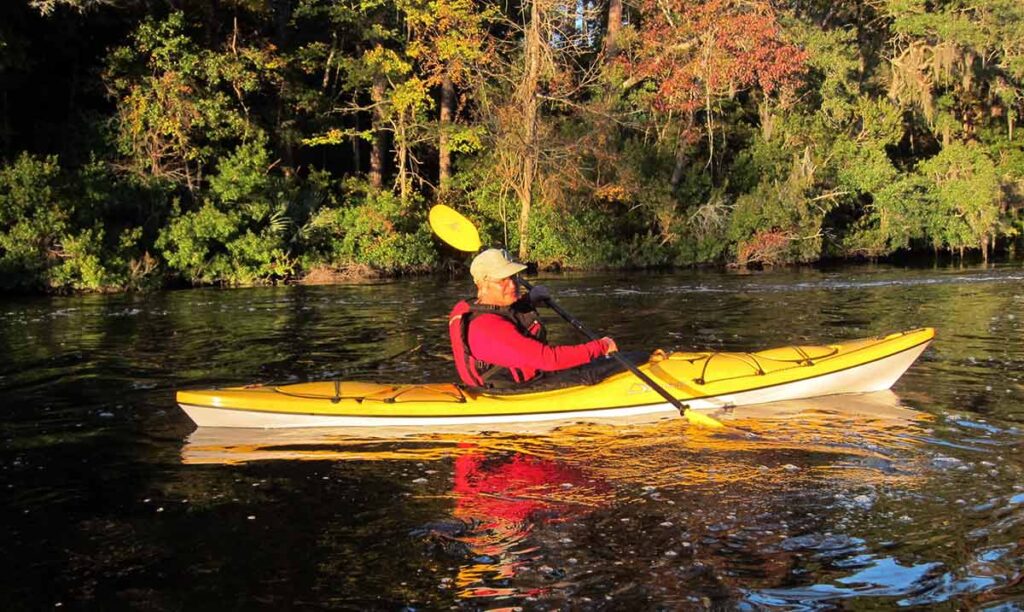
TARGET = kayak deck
x,y
702,380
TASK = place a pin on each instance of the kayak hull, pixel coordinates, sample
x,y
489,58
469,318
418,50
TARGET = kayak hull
x,y
702,381
218,417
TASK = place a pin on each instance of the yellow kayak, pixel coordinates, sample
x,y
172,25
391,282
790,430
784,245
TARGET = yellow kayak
x,y
701,380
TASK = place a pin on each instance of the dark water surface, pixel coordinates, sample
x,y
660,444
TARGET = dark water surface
x,y
910,499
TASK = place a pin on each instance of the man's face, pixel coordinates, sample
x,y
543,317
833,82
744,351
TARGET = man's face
x,y
502,292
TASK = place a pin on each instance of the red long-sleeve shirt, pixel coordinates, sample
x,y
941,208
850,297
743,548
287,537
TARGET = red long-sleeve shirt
x,y
496,340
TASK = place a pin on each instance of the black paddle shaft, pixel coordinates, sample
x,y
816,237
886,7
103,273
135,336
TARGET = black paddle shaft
x,y
571,320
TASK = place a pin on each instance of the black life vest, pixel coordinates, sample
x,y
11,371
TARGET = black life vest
x,y
473,371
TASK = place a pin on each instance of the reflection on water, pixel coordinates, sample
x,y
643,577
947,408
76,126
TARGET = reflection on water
x,y
912,498
516,506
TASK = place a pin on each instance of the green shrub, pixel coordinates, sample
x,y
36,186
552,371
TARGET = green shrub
x,y
34,221
571,239
780,219
236,247
963,196
82,263
374,228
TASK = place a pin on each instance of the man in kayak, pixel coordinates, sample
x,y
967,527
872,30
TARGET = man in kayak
x,y
498,339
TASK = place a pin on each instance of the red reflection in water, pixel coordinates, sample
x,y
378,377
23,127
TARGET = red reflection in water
x,y
503,498
519,488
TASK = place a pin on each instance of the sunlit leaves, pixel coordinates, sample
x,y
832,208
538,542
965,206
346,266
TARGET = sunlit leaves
x,y
466,139
964,187
450,37
48,240
243,175
177,103
697,51
975,51
33,219
716,130
47,7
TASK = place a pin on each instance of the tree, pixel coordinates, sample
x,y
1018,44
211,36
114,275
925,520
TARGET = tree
x,y
180,106
696,55
964,194
47,7
959,66
539,77
34,220
451,44
613,29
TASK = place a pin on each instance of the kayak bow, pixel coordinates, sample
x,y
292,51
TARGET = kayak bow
x,y
702,380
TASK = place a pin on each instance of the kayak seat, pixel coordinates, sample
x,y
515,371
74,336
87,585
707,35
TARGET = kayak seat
x,y
582,376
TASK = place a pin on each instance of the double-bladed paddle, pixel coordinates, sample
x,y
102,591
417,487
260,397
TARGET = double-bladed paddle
x,y
459,232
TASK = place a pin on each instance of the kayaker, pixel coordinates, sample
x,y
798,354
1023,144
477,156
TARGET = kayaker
x,y
498,339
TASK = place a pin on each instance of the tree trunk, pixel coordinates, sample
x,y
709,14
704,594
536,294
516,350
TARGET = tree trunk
x,y
282,15
326,80
677,171
357,148
581,18
611,45
444,153
379,135
5,128
402,150
530,105
681,148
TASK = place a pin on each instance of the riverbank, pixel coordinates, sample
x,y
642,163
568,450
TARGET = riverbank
x,y
457,268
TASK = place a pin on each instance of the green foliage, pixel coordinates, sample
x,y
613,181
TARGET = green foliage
x,y
47,7
82,266
34,221
785,210
964,192
479,194
236,142
466,139
373,229
193,243
831,84
238,247
243,175
53,235
703,233
762,162
579,239
239,236
179,105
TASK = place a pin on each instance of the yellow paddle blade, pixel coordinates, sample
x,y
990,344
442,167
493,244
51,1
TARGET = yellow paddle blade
x,y
454,229
702,420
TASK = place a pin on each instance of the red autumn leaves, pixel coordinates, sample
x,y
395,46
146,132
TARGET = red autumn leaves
x,y
694,53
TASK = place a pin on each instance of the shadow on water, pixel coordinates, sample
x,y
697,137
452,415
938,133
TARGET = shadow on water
x,y
912,498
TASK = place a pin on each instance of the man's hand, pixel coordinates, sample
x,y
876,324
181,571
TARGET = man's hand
x,y
609,346
539,295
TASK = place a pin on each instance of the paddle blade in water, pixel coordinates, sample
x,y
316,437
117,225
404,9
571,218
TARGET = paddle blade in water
x,y
454,229
702,420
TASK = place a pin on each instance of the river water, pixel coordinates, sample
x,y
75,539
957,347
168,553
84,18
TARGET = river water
x,y
913,498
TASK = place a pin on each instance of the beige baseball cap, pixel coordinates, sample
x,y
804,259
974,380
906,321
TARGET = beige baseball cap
x,y
493,264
